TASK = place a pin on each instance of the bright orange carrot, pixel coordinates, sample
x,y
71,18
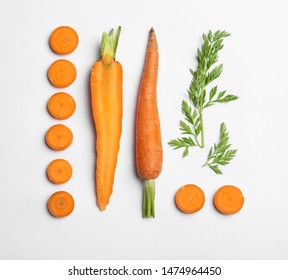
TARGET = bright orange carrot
x,y
61,105
62,73
59,137
189,199
61,204
228,199
63,40
149,154
59,171
106,99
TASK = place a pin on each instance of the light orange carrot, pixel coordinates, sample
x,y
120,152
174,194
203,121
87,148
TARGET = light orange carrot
x,y
59,137
189,199
228,199
59,171
64,40
62,73
149,154
61,204
106,99
61,105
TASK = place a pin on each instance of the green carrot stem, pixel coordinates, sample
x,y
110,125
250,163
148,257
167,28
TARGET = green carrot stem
x,y
202,129
109,42
148,200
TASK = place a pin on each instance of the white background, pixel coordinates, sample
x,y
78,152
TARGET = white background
x,y
255,69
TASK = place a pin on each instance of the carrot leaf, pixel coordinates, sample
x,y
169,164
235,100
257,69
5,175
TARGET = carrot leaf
x,y
220,154
201,96
185,142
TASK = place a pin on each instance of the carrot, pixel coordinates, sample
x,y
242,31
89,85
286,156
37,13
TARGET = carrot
x,y
62,73
59,137
106,100
189,199
228,199
149,154
59,171
63,40
61,105
61,204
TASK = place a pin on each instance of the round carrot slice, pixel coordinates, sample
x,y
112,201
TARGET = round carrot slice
x,y
64,40
59,171
61,204
228,199
61,105
62,73
59,137
189,199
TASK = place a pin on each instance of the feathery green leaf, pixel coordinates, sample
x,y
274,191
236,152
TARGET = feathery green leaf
x,y
201,97
220,154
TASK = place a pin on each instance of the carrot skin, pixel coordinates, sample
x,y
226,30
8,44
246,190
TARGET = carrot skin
x,y
106,97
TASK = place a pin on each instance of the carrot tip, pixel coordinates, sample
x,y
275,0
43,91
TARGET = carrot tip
x,y
101,205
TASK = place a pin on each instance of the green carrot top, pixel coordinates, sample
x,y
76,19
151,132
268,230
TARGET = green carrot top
x,y
109,42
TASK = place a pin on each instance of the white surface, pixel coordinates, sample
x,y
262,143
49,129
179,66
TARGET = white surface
x,y
255,68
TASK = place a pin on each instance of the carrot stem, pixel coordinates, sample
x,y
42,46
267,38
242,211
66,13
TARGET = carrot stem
x,y
148,202
109,43
202,129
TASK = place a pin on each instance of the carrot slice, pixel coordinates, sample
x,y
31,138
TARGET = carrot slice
x,y
59,171
228,199
59,137
62,73
61,105
189,199
61,204
64,40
